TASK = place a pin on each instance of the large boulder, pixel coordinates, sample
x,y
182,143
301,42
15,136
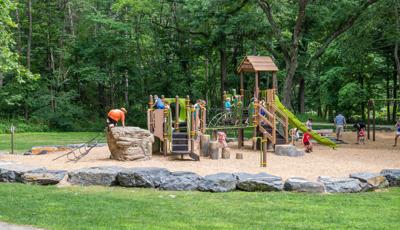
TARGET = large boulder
x,y
371,181
14,172
182,181
298,184
220,182
143,177
258,182
129,143
392,175
47,177
288,150
341,185
106,175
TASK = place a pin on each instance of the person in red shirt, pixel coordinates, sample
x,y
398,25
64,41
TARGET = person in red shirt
x,y
307,141
116,115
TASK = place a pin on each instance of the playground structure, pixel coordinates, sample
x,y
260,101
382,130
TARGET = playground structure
x,y
268,118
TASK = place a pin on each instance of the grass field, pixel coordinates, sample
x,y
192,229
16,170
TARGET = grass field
x,y
24,141
120,208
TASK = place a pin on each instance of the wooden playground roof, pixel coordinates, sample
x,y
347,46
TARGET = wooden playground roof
x,y
257,64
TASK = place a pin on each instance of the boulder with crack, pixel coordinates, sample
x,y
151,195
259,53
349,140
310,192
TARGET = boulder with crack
x,y
220,182
129,143
341,185
371,181
299,184
392,175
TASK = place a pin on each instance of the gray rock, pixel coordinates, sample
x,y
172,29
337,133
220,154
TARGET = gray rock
x,y
371,181
341,185
130,143
14,172
392,175
220,182
288,150
299,184
106,175
143,177
47,177
182,181
258,182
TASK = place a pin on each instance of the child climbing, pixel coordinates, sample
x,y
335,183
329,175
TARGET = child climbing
x,y
158,103
397,126
114,116
307,141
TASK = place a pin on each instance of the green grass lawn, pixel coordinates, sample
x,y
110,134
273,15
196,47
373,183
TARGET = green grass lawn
x,y
121,208
24,141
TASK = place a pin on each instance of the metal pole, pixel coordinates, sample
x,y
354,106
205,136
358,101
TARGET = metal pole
x,y
373,121
369,119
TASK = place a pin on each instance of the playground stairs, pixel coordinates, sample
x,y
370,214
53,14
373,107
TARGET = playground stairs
x,y
180,143
280,139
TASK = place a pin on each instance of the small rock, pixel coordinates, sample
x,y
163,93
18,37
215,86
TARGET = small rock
x,y
106,175
392,175
341,185
143,177
372,181
182,181
258,182
288,150
14,172
47,177
220,182
299,184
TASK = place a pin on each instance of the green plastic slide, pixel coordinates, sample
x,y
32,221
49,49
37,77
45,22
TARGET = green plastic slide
x,y
182,107
298,124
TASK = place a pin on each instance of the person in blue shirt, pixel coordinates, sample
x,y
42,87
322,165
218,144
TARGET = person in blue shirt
x,y
340,123
228,105
158,103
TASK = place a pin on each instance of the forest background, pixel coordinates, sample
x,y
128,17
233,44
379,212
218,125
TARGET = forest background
x,y
65,63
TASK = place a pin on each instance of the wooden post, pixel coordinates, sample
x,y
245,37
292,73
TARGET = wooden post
x,y
204,147
150,120
369,118
177,113
264,150
256,89
12,129
286,129
255,123
241,86
165,134
240,138
274,82
192,130
204,120
214,150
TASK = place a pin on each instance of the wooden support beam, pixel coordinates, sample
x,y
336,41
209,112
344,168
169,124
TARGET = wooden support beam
x,y
177,113
274,82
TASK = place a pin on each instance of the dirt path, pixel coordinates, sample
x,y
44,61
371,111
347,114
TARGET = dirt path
x,y
348,158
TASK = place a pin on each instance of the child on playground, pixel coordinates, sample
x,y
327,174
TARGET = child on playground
x,y
222,139
397,126
361,136
307,141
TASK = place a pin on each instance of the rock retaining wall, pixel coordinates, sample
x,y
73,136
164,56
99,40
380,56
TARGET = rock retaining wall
x,y
163,179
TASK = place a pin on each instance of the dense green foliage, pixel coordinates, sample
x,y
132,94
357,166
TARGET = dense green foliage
x,y
99,54
119,208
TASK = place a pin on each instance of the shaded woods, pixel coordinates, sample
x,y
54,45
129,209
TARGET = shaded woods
x,y
64,63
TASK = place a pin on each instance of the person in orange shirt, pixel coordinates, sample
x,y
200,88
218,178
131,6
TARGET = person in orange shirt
x,y
115,115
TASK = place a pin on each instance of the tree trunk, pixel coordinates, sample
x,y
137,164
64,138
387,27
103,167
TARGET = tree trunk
x,y
1,79
71,19
19,41
394,111
388,97
301,95
223,68
126,89
28,48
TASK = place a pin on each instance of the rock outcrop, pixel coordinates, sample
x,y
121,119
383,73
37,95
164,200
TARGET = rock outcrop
x,y
143,177
288,150
129,143
258,182
14,172
182,181
298,184
106,175
392,175
220,182
341,185
371,181
46,177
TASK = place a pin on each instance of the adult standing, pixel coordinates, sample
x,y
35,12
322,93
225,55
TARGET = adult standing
x,y
397,132
340,123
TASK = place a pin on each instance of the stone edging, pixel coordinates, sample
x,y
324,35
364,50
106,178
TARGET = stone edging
x,y
163,179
